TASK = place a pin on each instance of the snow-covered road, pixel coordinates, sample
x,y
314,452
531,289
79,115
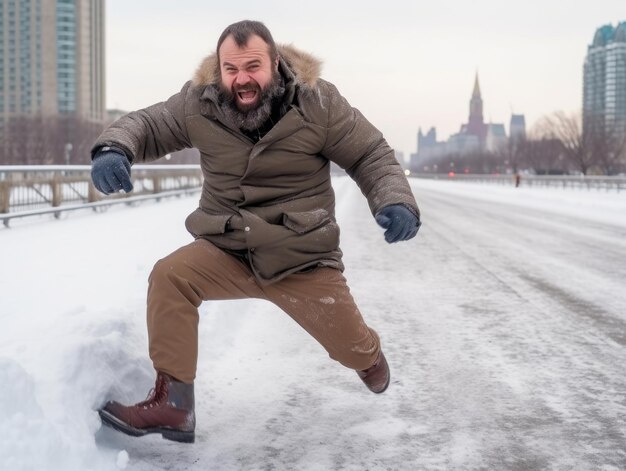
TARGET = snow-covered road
x,y
504,323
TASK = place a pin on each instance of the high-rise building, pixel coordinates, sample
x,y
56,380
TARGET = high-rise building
x,y
517,127
52,59
604,81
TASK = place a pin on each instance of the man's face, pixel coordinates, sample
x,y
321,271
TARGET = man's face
x,y
246,71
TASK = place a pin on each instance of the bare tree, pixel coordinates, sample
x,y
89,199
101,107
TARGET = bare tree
x,y
543,152
36,140
544,156
511,154
576,143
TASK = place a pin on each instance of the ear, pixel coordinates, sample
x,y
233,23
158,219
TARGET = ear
x,y
276,62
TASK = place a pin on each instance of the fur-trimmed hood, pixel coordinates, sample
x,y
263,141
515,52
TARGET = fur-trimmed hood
x,y
305,67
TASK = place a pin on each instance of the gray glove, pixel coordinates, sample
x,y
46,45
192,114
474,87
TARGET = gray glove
x,y
401,224
110,171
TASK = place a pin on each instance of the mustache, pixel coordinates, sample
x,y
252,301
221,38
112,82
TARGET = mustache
x,y
249,87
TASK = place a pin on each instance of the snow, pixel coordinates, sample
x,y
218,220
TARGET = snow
x,y
504,323
122,459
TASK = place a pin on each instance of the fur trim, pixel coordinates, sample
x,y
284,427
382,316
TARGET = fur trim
x,y
306,67
208,71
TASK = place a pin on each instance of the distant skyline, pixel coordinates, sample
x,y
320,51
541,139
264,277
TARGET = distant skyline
x,y
405,66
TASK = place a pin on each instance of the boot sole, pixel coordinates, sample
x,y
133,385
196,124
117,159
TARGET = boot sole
x,y
384,388
167,433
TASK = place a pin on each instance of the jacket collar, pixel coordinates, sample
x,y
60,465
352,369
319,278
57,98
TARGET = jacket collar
x,y
301,67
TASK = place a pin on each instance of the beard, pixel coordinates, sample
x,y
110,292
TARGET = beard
x,y
252,116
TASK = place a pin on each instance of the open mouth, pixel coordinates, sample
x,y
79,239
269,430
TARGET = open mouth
x,y
247,97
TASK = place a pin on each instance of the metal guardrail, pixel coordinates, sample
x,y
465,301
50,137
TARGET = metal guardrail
x,y
616,183
27,190
30,190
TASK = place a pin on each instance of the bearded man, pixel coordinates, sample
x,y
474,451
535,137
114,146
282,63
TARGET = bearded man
x,y
267,128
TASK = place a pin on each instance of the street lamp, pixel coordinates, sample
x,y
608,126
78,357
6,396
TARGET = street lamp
x,y
68,150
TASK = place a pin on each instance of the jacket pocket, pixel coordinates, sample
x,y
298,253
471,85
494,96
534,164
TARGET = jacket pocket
x,y
201,223
306,221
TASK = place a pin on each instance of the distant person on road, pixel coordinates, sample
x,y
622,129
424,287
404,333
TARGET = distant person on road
x,y
267,127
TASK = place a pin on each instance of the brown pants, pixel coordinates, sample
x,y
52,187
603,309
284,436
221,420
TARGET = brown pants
x,y
318,300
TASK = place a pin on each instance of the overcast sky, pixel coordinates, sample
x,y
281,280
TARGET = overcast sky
x,y
404,64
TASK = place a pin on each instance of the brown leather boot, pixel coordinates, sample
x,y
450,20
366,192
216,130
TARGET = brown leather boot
x,y
377,376
168,410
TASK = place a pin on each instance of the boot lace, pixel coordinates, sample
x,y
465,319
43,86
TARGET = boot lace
x,y
157,394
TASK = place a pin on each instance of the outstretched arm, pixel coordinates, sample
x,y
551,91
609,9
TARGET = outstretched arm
x,y
150,133
359,148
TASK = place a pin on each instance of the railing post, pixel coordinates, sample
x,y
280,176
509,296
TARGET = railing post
x,y
5,196
92,193
156,184
57,191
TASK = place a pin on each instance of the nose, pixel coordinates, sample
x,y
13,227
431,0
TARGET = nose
x,y
242,77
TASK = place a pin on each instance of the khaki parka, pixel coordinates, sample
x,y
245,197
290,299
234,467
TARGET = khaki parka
x,y
271,200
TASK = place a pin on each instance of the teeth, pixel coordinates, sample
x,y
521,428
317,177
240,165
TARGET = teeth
x,y
247,94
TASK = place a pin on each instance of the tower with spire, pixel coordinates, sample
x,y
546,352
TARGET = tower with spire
x,y
474,136
476,124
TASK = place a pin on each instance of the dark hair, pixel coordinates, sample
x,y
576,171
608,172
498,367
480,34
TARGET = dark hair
x,y
241,32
